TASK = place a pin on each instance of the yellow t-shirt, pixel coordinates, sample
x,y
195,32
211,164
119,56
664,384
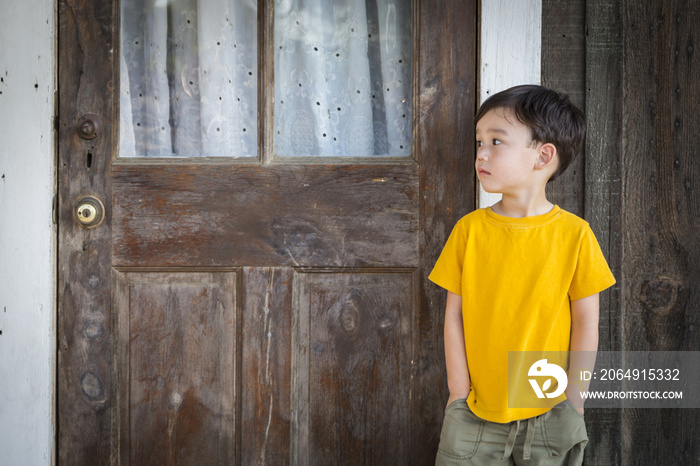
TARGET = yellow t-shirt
x,y
516,277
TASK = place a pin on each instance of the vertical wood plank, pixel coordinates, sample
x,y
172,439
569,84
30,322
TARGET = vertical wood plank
x,y
602,201
266,81
509,54
446,60
85,74
266,365
660,173
27,232
564,69
509,45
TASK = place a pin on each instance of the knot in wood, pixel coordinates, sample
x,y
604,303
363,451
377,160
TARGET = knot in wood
x,y
349,318
93,329
92,385
385,323
659,295
175,399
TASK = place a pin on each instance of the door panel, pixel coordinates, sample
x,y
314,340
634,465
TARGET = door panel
x,y
352,366
275,215
175,356
258,312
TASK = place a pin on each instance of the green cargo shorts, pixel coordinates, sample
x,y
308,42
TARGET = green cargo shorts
x,y
556,437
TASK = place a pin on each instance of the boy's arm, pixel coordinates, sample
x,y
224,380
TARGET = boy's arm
x,y
584,344
455,351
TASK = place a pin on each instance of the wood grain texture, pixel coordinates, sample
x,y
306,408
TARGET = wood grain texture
x,y
27,232
660,176
176,356
510,46
274,215
602,201
84,381
445,141
564,69
353,368
266,81
178,228
266,310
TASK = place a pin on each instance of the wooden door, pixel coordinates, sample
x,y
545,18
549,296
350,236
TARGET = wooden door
x,y
264,312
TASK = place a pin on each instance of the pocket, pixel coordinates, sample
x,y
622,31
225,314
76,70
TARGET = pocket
x,y
571,405
461,432
456,402
564,429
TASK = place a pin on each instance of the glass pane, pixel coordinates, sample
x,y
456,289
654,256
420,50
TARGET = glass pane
x,y
343,77
188,78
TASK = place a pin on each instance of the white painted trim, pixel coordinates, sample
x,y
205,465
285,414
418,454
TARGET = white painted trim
x,y
27,232
510,53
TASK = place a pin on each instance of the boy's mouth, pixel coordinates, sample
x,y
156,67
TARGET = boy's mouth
x,y
482,172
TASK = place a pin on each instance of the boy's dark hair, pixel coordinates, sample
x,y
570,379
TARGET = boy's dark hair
x,y
550,115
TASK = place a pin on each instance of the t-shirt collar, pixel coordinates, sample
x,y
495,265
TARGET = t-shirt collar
x,y
535,220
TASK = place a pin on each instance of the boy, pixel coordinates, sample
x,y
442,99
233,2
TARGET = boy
x,y
522,276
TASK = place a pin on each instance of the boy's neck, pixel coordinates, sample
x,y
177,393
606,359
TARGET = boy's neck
x,y
522,206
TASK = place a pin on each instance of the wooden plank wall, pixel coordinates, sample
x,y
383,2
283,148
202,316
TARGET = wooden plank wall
x,y
563,68
661,210
586,64
632,66
445,141
602,200
27,231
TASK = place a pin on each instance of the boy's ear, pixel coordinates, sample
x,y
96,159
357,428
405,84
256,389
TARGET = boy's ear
x,y
547,156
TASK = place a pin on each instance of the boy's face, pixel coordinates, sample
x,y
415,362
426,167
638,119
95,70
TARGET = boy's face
x,y
505,157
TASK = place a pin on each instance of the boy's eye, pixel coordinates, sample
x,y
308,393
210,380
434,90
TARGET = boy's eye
x,y
496,142
478,143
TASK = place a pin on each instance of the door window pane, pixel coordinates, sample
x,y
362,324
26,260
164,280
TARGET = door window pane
x,y
343,77
188,78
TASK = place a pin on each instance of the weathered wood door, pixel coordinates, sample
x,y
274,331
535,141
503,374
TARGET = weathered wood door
x,y
262,312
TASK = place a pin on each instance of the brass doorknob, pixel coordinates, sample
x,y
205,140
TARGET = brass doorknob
x,y
89,212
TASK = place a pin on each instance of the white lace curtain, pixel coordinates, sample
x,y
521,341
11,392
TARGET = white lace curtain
x,y
189,78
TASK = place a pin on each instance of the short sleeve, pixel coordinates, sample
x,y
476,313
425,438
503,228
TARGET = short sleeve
x,y
447,272
592,274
